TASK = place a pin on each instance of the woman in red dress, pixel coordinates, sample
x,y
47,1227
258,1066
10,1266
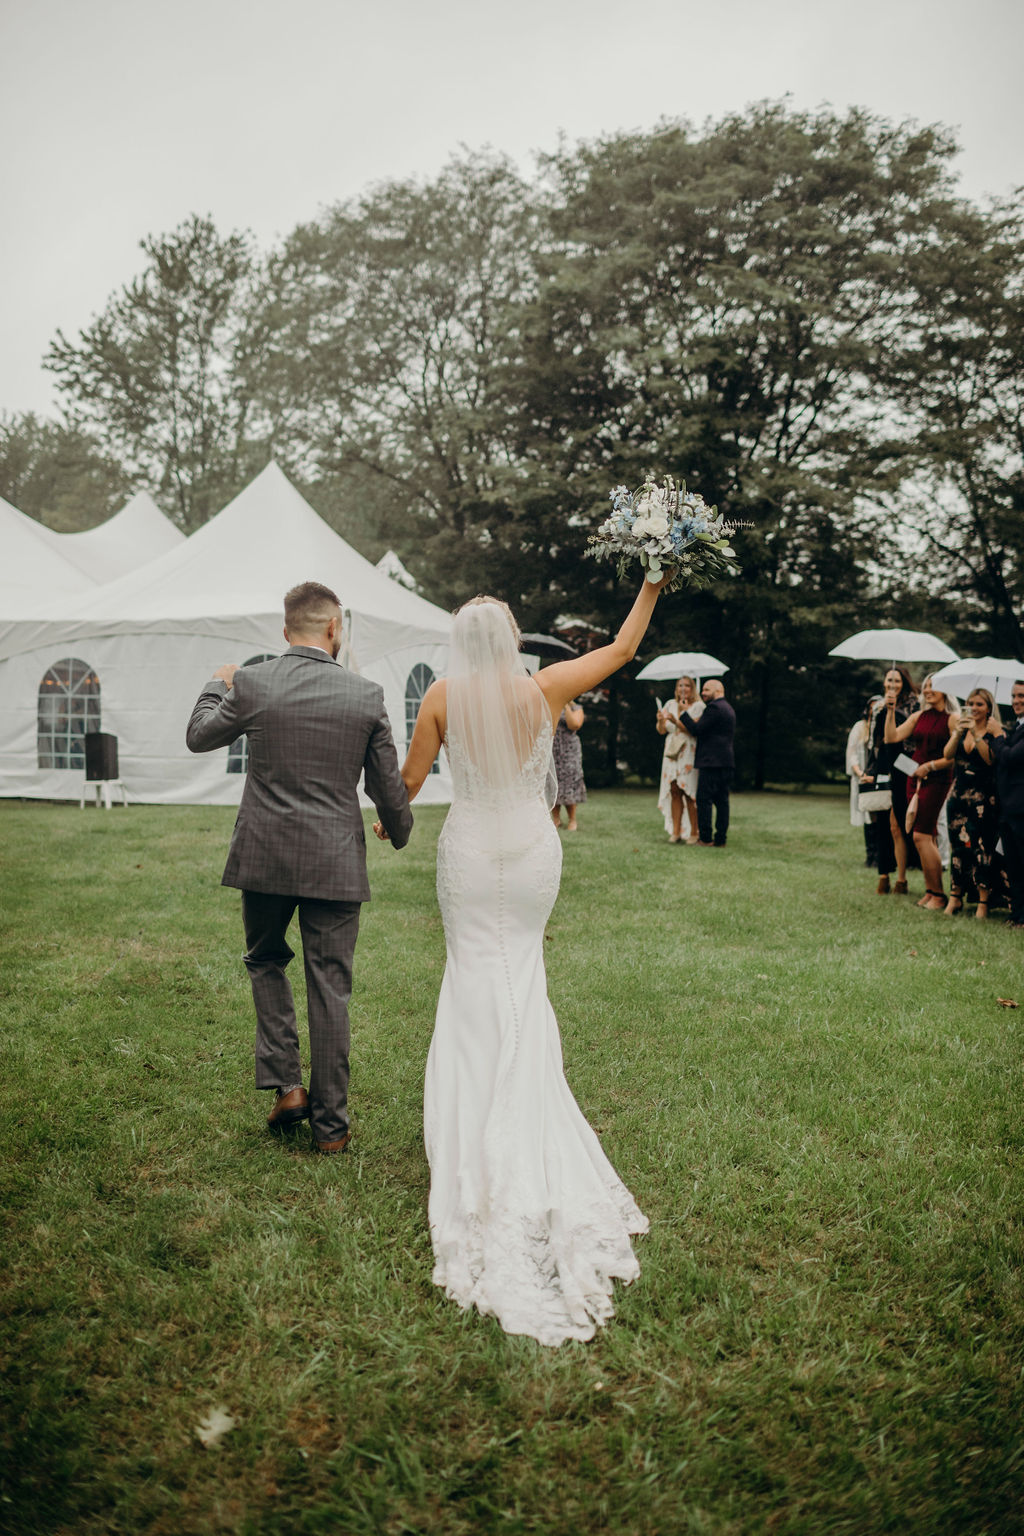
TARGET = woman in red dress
x,y
929,728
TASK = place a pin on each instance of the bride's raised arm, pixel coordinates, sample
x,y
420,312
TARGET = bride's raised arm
x,y
565,679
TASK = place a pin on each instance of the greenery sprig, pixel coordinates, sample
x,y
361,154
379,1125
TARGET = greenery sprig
x,y
668,529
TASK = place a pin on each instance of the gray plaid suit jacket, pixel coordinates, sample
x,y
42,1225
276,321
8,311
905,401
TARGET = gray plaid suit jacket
x,y
313,728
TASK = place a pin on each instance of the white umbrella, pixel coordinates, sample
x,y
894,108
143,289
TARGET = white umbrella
x,y
894,645
546,645
681,664
992,672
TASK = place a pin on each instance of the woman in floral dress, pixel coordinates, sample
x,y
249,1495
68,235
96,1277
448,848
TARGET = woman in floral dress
x,y
973,810
568,755
678,775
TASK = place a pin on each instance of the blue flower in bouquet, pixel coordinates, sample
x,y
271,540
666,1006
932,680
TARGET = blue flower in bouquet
x,y
670,530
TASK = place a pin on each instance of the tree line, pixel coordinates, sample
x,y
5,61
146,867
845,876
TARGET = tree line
x,y
796,313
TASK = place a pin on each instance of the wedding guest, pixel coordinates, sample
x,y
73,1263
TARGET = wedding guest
x,y
714,760
1009,754
568,755
856,760
972,807
678,787
893,852
928,730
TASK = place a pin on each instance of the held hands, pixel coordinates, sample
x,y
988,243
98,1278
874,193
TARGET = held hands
x,y
380,832
227,672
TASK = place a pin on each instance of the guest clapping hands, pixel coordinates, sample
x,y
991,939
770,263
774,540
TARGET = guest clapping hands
x,y
898,695
678,775
929,729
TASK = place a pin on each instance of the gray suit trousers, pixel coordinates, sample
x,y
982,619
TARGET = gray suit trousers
x,y
329,930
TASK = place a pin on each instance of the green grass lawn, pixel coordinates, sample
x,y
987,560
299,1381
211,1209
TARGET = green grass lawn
x,y
813,1092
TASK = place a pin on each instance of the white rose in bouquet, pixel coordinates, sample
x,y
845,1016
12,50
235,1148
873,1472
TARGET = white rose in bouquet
x,y
671,531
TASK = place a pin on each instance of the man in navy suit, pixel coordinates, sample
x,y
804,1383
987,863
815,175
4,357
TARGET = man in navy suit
x,y
1009,754
714,762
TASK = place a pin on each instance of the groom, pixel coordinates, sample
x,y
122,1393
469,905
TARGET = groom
x,y
313,729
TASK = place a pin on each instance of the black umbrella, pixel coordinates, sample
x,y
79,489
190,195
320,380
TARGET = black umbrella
x,y
546,645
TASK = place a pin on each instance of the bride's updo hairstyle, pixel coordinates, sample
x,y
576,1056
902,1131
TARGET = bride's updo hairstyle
x,y
486,637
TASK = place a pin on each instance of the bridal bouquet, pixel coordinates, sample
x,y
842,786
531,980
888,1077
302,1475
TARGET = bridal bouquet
x,y
669,530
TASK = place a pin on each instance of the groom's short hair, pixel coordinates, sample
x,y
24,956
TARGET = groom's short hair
x,y
309,608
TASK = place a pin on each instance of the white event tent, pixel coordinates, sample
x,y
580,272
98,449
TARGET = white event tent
x,y
132,537
34,575
146,642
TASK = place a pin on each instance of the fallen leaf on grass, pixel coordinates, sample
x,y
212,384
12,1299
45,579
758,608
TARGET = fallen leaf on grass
x,y
215,1426
1007,1002
912,952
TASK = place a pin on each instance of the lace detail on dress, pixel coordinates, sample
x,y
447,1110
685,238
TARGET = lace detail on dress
x,y
537,1277
471,786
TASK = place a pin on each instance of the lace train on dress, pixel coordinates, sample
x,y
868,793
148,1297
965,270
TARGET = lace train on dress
x,y
528,1219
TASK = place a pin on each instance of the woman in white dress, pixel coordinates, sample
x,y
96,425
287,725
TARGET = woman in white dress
x,y
528,1220
678,773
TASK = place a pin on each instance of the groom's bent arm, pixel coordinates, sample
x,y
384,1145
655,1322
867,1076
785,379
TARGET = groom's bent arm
x,y
214,721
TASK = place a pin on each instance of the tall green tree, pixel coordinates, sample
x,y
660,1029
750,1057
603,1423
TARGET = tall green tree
x,y
161,377
58,474
395,322
719,307
956,380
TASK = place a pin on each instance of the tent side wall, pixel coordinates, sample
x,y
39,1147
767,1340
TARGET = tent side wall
x,y
149,682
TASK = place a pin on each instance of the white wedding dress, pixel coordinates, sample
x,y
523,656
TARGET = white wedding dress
x,y
528,1219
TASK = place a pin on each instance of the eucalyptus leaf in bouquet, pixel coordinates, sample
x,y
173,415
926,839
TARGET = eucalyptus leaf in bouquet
x,y
671,531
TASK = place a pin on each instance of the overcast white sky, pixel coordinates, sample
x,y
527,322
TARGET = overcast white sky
x,y
122,117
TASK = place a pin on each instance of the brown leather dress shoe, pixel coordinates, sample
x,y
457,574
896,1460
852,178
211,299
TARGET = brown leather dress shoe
x,y
328,1148
288,1110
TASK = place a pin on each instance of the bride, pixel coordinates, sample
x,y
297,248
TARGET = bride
x,y
528,1219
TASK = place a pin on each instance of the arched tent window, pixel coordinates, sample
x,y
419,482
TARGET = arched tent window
x,y
238,752
69,708
419,680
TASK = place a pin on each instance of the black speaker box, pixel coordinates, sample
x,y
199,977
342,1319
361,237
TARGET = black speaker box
x,y
100,756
